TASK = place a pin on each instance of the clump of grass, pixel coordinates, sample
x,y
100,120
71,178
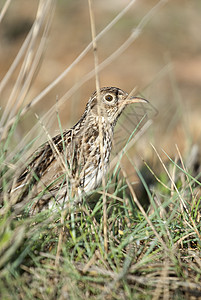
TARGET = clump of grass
x,y
150,253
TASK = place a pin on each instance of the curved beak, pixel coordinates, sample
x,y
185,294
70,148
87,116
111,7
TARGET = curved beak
x,y
132,99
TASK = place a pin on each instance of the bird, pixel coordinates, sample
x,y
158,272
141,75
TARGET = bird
x,y
73,162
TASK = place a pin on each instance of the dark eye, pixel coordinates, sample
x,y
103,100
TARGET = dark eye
x,y
109,97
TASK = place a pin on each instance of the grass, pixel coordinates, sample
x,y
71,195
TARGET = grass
x,y
153,249
152,253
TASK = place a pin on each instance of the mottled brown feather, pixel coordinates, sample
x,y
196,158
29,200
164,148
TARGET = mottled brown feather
x,y
71,162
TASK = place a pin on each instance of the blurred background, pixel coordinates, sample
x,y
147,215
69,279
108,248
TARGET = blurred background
x,y
164,63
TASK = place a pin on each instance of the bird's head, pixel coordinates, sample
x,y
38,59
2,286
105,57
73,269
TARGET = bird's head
x,y
109,104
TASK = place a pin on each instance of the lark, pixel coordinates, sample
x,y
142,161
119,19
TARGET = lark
x,y
74,162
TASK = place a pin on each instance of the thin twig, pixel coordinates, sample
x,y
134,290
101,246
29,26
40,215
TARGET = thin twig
x,y
100,124
4,9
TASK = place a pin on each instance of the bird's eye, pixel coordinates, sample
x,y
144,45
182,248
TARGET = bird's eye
x,y
109,97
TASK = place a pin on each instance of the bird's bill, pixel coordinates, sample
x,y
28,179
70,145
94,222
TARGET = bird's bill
x,y
130,100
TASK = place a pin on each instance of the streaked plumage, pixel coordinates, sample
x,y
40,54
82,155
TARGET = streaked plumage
x,y
71,163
